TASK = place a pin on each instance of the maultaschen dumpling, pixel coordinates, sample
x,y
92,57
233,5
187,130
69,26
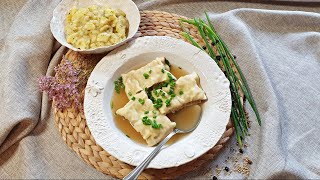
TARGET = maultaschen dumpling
x,y
153,73
145,119
185,92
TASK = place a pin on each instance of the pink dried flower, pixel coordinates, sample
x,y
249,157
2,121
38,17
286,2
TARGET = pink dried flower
x,y
63,88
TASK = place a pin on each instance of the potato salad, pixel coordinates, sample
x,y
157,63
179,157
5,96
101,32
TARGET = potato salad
x,y
95,26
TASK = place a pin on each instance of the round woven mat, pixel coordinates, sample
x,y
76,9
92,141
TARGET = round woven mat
x,y
75,132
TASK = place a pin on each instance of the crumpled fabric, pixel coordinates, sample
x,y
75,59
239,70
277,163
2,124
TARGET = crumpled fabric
x,y
278,51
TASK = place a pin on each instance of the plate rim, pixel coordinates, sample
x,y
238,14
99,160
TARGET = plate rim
x,y
94,86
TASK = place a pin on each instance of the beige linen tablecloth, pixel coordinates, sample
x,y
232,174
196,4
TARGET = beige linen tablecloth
x,y
278,49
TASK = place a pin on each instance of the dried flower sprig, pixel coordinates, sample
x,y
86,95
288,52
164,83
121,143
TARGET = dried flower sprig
x,y
63,88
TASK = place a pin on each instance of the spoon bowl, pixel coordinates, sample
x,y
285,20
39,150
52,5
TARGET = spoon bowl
x,y
137,171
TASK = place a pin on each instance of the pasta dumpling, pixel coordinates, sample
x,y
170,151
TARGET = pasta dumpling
x,y
145,119
186,92
154,72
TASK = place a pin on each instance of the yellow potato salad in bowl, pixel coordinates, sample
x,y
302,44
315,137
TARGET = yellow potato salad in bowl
x,y
95,26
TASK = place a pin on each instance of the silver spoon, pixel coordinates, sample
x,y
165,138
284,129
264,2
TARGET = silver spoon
x,y
137,171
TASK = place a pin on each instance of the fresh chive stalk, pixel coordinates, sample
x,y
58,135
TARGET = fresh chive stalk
x,y
208,33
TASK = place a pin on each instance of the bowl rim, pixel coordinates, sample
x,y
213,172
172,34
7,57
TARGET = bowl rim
x,y
100,49
97,109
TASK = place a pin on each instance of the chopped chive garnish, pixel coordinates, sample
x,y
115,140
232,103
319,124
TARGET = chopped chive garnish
x,y
180,92
146,120
165,84
111,104
133,98
146,112
150,71
162,70
155,125
154,117
158,103
118,85
170,76
130,94
155,92
146,76
171,91
141,101
168,102
154,111
172,84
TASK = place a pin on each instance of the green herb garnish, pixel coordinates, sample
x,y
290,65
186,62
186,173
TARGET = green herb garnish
x,y
141,101
146,76
162,70
127,135
154,111
165,84
172,84
161,85
146,112
130,94
150,71
156,92
133,98
118,85
170,76
155,125
158,103
111,104
226,61
146,120
171,91
168,102
180,92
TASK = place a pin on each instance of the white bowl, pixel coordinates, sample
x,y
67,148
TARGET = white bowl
x,y
57,23
98,94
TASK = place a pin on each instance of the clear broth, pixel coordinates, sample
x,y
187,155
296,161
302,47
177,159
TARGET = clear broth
x,y
185,118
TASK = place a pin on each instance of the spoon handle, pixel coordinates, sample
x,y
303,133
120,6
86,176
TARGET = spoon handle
x,y
136,172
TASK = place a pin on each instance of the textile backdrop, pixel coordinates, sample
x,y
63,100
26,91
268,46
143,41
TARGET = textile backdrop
x,y
278,50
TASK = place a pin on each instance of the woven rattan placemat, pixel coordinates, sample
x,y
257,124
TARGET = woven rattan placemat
x,y
75,132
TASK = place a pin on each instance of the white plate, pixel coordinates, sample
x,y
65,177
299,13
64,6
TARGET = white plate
x,y
98,93
57,23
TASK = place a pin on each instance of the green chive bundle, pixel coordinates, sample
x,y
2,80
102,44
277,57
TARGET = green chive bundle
x,y
222,56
